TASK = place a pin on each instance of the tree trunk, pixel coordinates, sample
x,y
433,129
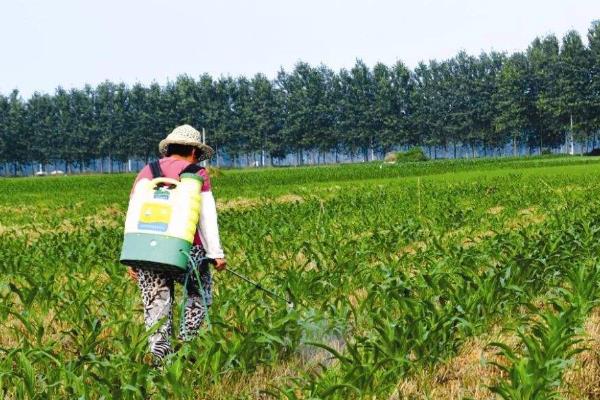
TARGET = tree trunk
x,y
571,139
587,143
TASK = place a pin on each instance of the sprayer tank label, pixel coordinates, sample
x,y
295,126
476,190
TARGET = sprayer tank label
x,y
155,217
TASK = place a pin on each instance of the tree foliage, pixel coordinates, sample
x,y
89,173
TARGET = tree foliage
x,y
466,105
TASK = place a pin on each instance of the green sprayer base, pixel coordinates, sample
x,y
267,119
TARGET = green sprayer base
x,y
155,252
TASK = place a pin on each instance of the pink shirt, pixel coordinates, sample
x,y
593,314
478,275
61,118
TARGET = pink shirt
x,y
171,168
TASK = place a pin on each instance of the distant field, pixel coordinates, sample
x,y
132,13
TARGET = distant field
x,y
441,279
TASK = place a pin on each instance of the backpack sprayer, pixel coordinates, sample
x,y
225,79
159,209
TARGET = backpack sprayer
x,y
161,221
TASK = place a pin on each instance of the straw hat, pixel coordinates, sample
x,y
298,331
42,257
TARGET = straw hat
x,y
186,135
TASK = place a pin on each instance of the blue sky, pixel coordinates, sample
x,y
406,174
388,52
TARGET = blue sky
x,y
47,43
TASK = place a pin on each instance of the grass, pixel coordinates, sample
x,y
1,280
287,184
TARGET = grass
x,y
399,273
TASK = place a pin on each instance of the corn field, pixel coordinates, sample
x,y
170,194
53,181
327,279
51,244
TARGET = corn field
x,y
440,279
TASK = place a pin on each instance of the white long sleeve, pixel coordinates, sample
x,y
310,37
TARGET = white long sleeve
x,y
208,227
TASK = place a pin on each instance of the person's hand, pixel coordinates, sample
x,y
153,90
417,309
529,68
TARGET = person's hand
x,y
133,274
220,264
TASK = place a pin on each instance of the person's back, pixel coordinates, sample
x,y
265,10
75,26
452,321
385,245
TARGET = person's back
x,y
181,149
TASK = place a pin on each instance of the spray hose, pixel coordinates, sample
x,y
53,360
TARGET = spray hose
x,y
191,272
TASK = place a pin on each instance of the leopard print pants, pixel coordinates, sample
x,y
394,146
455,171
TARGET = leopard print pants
x,y
157,295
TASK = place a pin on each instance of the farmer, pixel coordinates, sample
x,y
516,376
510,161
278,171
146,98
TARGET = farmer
x,y
180,149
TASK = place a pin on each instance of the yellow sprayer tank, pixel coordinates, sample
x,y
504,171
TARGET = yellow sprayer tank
x,y
161,222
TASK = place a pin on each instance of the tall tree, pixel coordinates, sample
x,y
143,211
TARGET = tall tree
x,y
189,108
83,131
543,57
39,123
574,82
593,101
385,115
436,115
266,118
17,139
5,150
222,115
105,117
357,104
487,69
65,126
215,104
513,100
402,93
459,78
142,125
308,117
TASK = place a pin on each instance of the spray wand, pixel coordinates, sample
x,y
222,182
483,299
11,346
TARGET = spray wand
x,y
289,303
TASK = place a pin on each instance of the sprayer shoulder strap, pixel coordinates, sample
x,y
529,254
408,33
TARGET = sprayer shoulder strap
x,y
192,169
155,168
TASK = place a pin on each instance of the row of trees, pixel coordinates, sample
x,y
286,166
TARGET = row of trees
x,y
531,99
